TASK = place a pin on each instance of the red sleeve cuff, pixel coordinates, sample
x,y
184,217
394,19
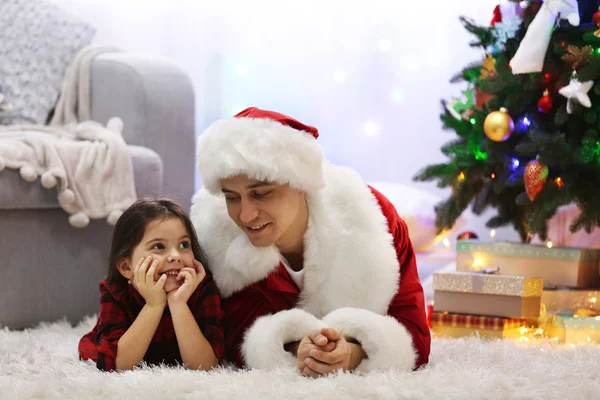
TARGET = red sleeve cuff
x,y
107,355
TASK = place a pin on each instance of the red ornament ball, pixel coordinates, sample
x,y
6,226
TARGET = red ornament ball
x,y
545,103
547,78
466,236
596,17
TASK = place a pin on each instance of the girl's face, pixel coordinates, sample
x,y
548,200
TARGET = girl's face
x,y
167,241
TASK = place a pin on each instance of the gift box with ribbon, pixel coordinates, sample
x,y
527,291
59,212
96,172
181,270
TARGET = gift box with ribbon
x,y
557,266
572,328
487,294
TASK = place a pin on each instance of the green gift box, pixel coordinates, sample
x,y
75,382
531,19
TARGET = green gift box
x,y
574,330
557,266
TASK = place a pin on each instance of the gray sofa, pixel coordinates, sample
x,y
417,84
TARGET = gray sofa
x,y
51,270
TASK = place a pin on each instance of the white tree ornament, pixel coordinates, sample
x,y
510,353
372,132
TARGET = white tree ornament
x,y
577,91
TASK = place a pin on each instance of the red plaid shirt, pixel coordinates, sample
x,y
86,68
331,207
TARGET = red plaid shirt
x,y
120,306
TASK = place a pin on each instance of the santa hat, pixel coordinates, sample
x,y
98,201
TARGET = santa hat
x,y
263,145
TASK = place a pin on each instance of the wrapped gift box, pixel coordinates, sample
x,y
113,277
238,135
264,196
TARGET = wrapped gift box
x,y
570,329
487,294
571,267
571,300
457,325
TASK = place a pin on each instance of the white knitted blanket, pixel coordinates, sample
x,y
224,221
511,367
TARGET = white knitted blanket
x,y
87,163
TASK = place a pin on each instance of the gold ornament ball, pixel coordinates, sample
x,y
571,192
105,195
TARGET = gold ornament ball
x,y
498,125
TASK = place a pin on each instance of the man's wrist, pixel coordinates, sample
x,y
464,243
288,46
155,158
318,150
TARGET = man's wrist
x,y
357,354
292,347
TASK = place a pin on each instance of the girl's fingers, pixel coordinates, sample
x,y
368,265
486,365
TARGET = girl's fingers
x,y
136,270
151,271
196,276
184,274
139,263
192,271
160,283
143,269
199,267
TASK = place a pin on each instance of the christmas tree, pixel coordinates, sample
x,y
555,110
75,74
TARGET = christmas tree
x,y
528,124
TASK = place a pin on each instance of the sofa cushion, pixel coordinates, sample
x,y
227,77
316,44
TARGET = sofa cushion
x,y
15,193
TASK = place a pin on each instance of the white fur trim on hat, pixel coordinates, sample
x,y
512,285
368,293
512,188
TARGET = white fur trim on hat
x,y
261,149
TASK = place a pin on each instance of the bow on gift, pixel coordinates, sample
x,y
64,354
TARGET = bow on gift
x,y
532,50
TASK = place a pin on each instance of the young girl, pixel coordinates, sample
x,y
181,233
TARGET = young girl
x,y
159,303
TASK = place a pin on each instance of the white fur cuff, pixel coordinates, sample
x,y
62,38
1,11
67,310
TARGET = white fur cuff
x,y
264,341
386,342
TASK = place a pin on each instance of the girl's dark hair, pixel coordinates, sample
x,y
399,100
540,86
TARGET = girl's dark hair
x,y
131,226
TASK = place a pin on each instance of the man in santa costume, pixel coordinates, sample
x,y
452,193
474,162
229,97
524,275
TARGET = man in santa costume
x,y
316,268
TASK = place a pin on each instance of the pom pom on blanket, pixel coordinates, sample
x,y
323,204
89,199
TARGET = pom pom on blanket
x,y
48,180
115,124
79,220
66,197
114,216
28,173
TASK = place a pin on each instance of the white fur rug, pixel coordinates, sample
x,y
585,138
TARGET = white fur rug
x,y
42,363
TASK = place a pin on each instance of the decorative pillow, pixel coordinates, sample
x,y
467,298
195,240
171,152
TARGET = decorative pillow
x,y
416,207
38,40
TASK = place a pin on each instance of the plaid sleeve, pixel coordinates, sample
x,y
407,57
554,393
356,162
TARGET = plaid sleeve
x,y
208,314
113,322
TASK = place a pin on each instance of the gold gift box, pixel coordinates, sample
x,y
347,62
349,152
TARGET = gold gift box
x,y
487,294
570,300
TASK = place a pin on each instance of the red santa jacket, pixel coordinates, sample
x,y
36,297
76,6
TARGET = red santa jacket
x,y
360,278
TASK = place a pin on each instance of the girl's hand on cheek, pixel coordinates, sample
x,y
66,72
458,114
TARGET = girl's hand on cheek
x,y
200,270
143,281
192,277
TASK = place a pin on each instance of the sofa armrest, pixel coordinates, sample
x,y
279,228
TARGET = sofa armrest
x,y
155,100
